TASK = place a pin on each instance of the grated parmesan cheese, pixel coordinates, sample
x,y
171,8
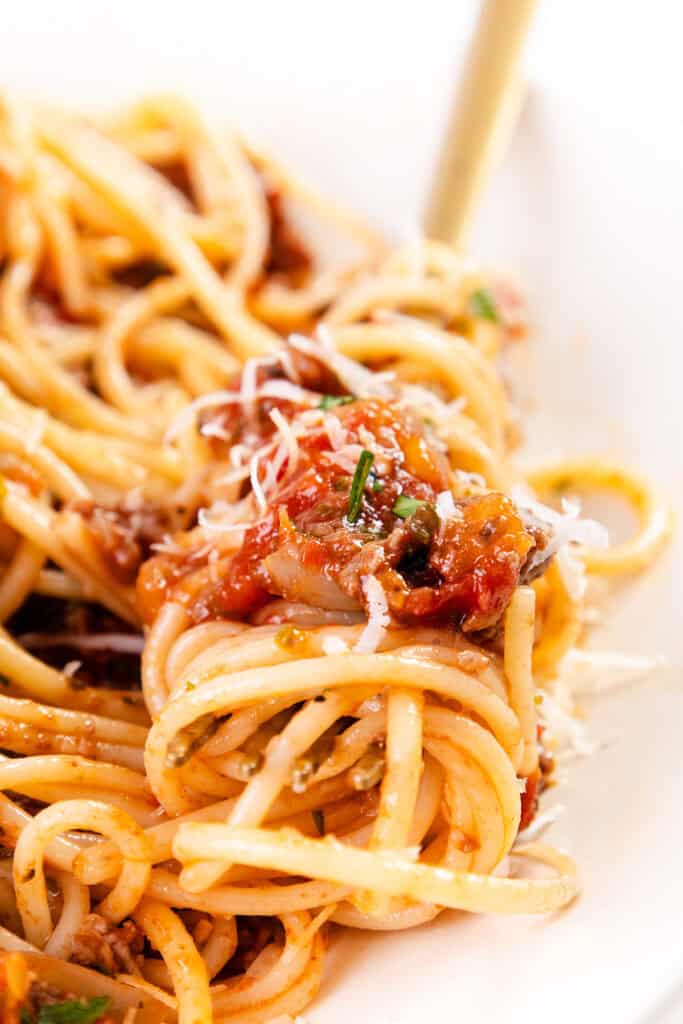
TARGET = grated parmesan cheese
x,y
247,395
357,379
378,616
208,520
445,506
188,416
347,458
282,389
289,439
566,730
592,672
256,488
335,432
215,430
334,645
566,527
572,573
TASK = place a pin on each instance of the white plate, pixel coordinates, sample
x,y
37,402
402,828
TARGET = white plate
x,y
588,209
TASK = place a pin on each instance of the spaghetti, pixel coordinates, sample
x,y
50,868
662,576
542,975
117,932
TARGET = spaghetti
x,y
281,617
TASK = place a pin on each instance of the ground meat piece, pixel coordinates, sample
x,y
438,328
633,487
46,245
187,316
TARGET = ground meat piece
x,y
313,374
226,425
465,570
253,935
541,779
318,539
478,557
124,533
536,561
529,801
110,948
287,253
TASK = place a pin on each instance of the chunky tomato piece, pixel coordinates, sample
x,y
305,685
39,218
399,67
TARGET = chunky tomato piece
x,y
322,534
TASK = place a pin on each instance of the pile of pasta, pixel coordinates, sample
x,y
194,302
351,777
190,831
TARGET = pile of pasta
x,y
188,836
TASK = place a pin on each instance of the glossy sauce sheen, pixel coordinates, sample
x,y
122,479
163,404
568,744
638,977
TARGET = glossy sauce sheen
x,y
463,570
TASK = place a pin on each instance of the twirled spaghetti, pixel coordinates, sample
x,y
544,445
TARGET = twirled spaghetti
x,y
280,614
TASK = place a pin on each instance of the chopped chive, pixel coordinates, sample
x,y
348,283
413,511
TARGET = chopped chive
x,y
360,477
330,401
74,1011
482,305
319,821
405,506
188,741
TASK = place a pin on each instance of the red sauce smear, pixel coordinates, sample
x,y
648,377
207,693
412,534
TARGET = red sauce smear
x,y
463,571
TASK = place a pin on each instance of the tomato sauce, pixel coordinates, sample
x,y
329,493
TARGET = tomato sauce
x,y
462,571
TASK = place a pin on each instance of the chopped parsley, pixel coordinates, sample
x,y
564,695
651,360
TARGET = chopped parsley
x,y
405,506
377,484
330,401
319,821
360,477
482,305
73,1011
188,741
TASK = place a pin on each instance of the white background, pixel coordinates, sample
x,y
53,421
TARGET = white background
x,y
588,209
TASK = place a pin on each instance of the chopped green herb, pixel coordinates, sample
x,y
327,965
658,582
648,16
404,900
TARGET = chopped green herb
x,y
319,821
188,741
74,1011
482,305
325,509
360,477
330,401
377,485
405,506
